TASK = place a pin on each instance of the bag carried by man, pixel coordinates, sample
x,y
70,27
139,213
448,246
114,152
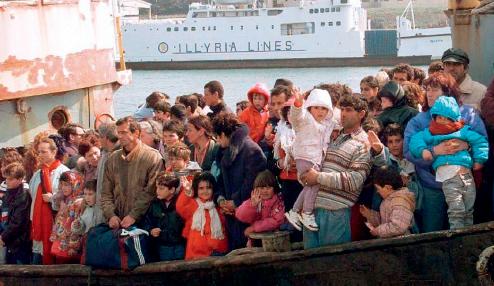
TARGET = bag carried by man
x,y
115,249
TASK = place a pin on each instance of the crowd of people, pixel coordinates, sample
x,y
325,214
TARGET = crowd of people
x,y
408,153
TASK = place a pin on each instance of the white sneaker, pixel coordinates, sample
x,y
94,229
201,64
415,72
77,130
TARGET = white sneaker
x,y
309,221
293,218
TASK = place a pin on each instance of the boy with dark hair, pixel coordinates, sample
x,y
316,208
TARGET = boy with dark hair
x,y
190,102
395,216
162,111
402,73
146,110
162,221
213,97
92,214
16,234
241,106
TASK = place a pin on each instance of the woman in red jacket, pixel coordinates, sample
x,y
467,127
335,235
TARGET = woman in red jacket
x,y
204,223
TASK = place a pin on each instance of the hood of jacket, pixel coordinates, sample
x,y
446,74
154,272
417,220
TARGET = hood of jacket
x,y
258,88
319,97
404,198
237,140
395,92
446,106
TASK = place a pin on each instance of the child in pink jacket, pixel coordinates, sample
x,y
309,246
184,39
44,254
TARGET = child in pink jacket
x,y
264,211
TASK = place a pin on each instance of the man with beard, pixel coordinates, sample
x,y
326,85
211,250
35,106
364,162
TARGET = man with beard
x,y
456,62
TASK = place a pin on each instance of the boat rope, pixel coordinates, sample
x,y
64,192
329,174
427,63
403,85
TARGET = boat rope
x,y
482,266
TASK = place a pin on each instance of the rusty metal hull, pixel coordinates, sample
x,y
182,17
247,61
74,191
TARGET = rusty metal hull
x,y
439,258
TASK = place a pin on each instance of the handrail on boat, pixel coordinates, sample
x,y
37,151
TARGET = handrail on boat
x,y
482,267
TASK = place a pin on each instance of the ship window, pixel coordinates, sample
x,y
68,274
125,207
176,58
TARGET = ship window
x,y
330,24
59,116
214,28
326,10
332,9
344,1
209,28
231,28
311,11
272,27
323,24
337,9
175,29
257,27
274,12
321,10
241,27
213,14
168,29
297,28
193,28
186,29
316,11
204,28
338,23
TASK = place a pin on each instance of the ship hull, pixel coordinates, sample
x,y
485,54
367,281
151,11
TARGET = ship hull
x,y
438,258
281,63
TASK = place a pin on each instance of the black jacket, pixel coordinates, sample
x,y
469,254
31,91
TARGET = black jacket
x,y
17,231
165,218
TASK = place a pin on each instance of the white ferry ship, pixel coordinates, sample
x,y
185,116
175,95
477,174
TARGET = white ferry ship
x,y
243,33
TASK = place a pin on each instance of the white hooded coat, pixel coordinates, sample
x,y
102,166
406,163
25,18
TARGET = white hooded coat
x,y
312,138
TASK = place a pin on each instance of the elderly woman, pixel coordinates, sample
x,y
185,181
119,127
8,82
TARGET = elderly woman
x,y
240,162
200,134
151,133
432,212
43,186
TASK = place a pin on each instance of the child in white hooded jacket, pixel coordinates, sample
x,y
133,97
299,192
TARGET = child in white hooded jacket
x,y
313,125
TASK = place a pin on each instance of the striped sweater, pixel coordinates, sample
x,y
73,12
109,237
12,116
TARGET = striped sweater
x,y
344,169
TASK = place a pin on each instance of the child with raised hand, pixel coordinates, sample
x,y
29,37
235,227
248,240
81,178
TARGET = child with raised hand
x,y
264,211
66,245
162,220
313,125
91,213
453,171
204,223
15,236
395,216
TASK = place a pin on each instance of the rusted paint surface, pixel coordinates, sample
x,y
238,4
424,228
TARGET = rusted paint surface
x,y
57,74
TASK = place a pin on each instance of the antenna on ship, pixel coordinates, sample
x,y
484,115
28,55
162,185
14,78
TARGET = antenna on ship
x,y
408,9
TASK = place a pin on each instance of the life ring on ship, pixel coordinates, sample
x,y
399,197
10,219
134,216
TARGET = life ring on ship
x,y
102,118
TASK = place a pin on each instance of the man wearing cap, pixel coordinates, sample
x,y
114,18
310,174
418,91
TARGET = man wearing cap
x,y
456,62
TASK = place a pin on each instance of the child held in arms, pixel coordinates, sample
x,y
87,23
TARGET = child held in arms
x,y
313,125
395,216
453,171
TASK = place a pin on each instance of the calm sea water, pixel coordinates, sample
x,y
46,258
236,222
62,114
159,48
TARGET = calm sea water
x,y
235,81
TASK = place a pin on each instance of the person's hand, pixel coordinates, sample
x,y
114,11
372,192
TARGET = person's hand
x,y
477,166
255,197
127,221
365,211
47,197
155,232
405,179
297,95
248,231
229,207
309,178
450,147
186,186
374,142
114,222
373,231
427,155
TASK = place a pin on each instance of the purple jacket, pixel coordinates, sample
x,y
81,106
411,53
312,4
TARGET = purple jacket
x,y
270,216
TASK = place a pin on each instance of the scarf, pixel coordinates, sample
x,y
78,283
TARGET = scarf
x,y
442,129
42,213
199,219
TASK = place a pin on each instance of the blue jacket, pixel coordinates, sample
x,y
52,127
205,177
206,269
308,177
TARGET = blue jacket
x,y
447,107
420,122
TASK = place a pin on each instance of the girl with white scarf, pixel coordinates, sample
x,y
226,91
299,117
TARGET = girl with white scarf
x,y
204,223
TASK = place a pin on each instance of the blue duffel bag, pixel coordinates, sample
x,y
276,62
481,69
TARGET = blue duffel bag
x,y
115,249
